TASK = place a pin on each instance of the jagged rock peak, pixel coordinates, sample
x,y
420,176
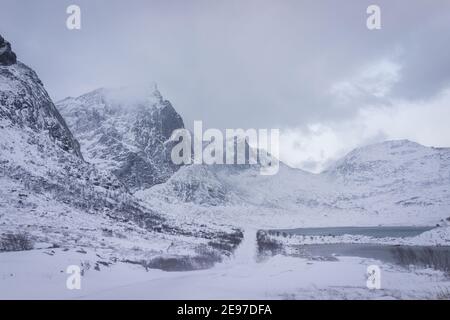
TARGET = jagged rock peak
x,y
125,130
7,56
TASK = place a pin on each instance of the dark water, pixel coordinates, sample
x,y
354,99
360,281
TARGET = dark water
x,y
385,253
437,257
375,232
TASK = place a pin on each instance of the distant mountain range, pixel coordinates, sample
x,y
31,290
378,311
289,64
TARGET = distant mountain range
x,y
394,182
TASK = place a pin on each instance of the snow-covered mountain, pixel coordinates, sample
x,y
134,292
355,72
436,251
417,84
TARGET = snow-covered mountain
x,y
215,185
126,131
394,182
51,194
398,177
25,103
393,162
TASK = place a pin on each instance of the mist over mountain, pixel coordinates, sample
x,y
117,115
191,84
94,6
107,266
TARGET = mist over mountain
x,y
125,131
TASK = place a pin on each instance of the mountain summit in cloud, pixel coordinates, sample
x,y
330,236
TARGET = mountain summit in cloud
x,y
125,131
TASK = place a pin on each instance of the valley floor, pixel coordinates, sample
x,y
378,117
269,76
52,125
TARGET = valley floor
x,y
40,274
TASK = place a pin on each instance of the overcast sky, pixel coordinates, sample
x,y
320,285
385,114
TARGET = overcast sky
x,y
309,68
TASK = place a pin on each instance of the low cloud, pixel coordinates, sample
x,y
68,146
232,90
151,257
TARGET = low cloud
x,y
313,147
373,82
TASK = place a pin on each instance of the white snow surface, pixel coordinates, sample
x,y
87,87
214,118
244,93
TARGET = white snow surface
x,y
41,274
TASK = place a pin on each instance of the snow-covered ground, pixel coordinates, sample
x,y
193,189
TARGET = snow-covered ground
x,y
439,236
53,223
41,274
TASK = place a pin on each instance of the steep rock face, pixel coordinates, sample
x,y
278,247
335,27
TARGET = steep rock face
x,y
25,103
39,152
126,131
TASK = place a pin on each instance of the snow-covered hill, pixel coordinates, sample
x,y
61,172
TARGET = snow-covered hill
x,y
394,182
126,131
395,177
393,162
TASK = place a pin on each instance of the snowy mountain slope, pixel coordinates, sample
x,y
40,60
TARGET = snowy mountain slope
x,y
39,150
393,162
227,184
395,182
395,176
125,131
51,194
233,185
25,103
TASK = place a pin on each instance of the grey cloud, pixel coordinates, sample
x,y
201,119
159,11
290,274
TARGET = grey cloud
x,y
233,63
